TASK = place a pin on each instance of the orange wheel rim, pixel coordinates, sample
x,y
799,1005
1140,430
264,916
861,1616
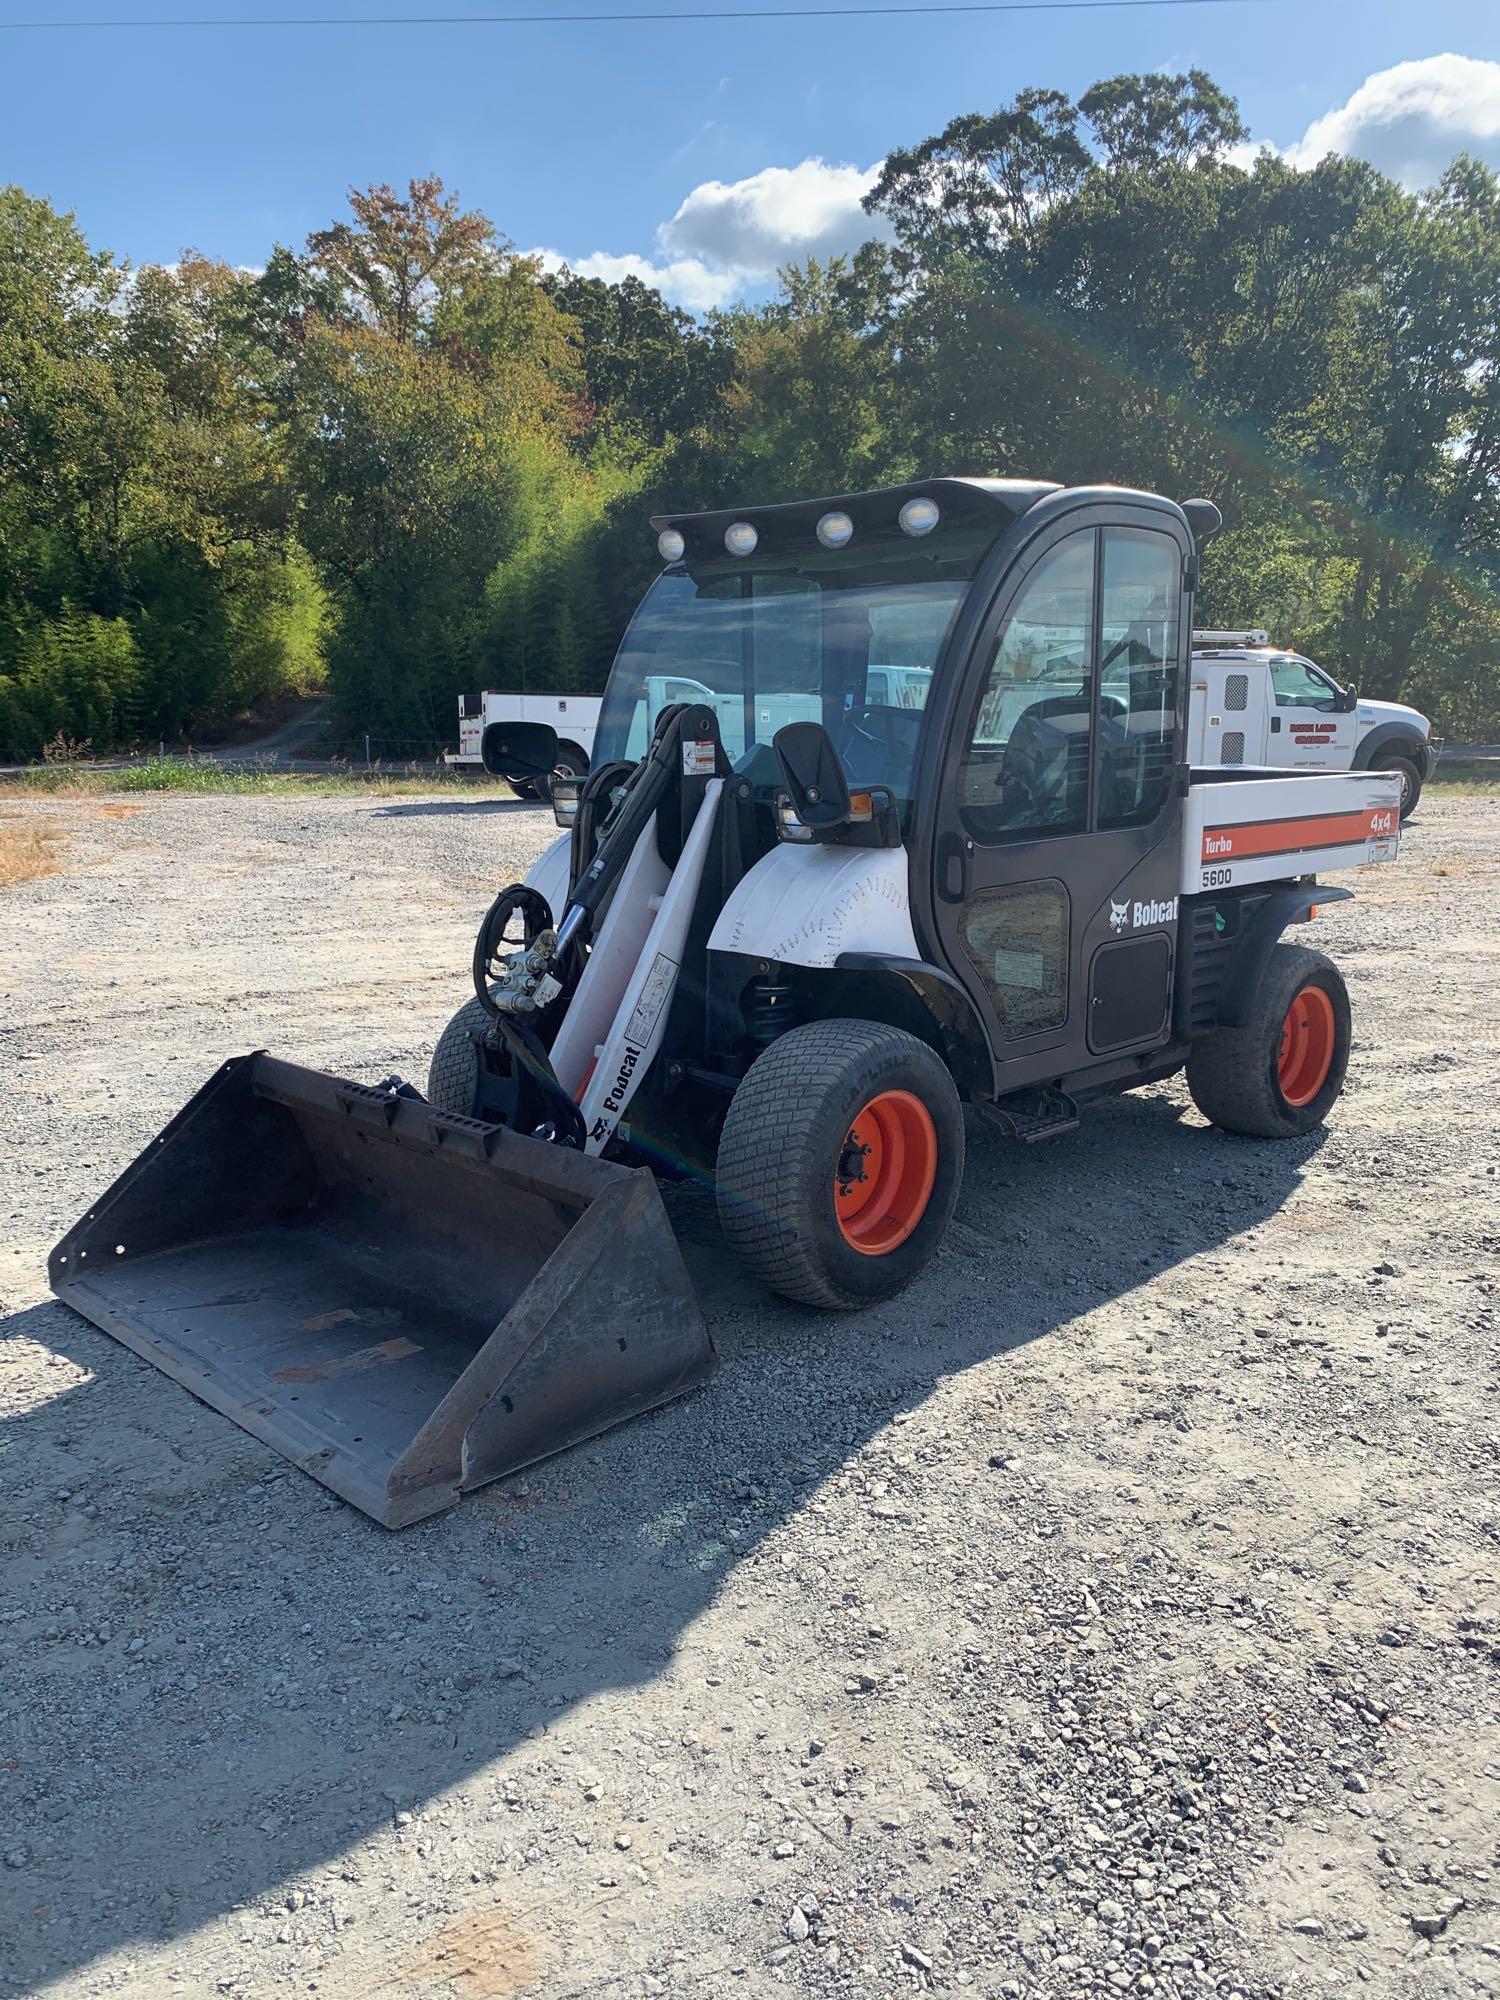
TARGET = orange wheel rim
x,y
885,1172
1308,1039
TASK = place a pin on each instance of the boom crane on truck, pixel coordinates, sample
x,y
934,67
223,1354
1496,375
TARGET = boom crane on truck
x,y
783,955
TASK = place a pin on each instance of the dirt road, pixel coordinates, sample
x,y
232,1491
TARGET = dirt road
x,y
1115,1612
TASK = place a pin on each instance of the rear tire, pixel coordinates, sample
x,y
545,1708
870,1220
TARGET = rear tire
x,y
840,1163
453,1075
1278,1075
1411,780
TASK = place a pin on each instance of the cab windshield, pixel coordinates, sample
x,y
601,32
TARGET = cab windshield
x,y
849,648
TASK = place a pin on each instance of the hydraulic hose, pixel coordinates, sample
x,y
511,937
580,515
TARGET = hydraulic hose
x,y
623,828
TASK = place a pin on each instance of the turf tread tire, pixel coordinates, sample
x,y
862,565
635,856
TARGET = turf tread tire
x,y
779,1144
1231,1073
453,1074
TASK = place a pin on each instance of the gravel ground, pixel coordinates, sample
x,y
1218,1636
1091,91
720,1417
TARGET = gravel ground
x,y
1115,1612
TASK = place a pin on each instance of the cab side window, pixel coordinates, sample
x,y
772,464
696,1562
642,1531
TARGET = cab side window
x,y
1025,765
1138,620
1298,684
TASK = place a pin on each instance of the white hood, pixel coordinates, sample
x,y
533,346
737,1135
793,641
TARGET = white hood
x,y
1376,714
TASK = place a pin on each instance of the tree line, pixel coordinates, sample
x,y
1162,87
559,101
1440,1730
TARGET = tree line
x,y
406,460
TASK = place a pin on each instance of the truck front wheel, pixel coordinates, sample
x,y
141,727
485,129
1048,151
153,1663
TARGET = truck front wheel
x,y
1278,1075
840,1162
1411,780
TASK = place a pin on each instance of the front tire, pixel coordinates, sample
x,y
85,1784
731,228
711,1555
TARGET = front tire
x,y
1279,1075
1411,780
840,1162
453,1075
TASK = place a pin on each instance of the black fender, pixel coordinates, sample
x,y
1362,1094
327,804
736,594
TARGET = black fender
x,y
909,993
1259,937
1397,737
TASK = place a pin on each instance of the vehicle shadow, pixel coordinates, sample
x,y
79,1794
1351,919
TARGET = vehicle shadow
x,y
220,1678
441,808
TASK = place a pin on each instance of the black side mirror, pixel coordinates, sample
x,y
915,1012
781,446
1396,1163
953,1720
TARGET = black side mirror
x,y
1347,702
1203,519
519,749
813,775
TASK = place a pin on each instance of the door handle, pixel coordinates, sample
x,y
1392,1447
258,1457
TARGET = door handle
x,y
953,870
1275,725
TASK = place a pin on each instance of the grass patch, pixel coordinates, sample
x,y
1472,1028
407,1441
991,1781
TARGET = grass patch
x,y
1462,788
25,853
187,774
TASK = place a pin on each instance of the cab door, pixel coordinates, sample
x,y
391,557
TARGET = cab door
x,y
1055,852
1311,728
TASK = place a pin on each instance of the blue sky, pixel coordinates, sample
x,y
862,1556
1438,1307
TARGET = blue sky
x,y
707,151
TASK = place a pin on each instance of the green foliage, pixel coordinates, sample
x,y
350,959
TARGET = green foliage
x,y
75,674
410,457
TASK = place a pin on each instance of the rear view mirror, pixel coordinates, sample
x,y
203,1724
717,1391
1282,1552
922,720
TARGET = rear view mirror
x,y
1347,702
812,774
520,749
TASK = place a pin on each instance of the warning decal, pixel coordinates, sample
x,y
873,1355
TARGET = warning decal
x,y
654,996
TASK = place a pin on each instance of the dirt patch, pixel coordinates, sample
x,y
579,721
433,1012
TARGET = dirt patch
x,y
487,1956
26,852
117,811
1115,1612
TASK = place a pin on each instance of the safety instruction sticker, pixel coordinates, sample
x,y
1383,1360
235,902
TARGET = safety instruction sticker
x,y
697,756
654,996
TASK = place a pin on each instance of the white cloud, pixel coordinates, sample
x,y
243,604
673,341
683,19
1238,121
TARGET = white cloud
x,y
685,280
779,216
731,237
1409,121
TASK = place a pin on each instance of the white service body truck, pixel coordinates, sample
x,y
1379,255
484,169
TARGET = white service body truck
x,y
575,717
1263,706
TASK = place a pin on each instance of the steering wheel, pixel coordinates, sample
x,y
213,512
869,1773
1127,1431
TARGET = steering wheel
x,y
512,923
891,731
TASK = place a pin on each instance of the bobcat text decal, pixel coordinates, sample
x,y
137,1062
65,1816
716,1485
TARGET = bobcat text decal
x,y
621,1084
1141,916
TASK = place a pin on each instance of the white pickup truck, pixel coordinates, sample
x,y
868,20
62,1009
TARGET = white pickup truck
x,y
1261,706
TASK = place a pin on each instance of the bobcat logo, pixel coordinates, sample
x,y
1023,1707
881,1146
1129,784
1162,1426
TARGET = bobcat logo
x,y
1119,914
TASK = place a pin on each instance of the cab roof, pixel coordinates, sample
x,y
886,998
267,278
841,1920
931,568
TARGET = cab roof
x,y
789,524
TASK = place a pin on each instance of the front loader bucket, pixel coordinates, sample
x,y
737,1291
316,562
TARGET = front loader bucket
x,y
404,1302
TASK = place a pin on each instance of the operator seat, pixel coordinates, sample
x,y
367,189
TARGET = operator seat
x,y
1044,772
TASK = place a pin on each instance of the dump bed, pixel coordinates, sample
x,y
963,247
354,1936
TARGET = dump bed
x,y
1267,826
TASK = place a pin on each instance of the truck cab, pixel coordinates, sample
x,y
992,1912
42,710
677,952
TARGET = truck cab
x,y
1259,706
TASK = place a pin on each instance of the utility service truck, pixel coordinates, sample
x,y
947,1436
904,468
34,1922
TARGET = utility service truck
x,y
1255,704
484,719
781,956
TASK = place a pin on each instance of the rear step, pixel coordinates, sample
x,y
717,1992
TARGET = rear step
x,y
404,1302
1033,1115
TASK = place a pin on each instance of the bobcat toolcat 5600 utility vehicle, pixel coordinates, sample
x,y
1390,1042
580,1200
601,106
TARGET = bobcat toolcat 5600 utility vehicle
x,y
782,953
